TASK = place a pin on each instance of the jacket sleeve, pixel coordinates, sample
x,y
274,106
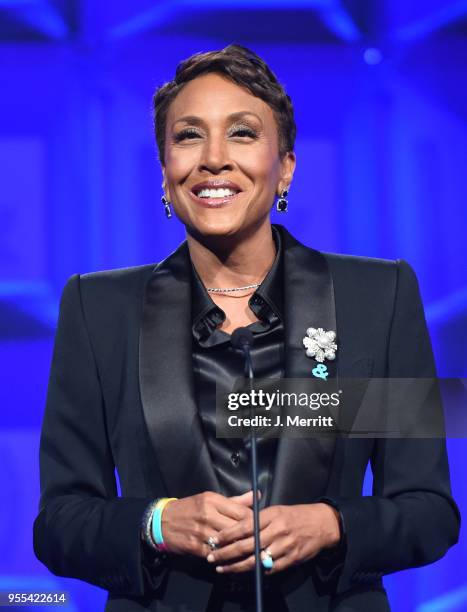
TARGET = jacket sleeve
x,y
411,518
83,529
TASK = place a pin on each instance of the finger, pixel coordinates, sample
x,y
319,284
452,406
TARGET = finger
x,y
226,516
211,513
242,547
244,528
244,565
235,551
218,522
246,498
233,509
238,531
281,560
224,513
280,564
222,523
248,564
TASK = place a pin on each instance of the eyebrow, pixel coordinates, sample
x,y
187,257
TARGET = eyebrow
x,y
195,120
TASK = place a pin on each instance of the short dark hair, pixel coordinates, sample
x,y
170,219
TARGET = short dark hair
x,y
240,65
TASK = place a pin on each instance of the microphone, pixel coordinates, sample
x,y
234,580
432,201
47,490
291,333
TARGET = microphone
x,y
242,339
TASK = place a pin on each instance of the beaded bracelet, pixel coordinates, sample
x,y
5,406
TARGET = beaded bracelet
x,y
156,523
147,522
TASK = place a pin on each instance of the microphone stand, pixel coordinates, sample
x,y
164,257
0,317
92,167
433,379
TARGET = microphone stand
x,y
244,345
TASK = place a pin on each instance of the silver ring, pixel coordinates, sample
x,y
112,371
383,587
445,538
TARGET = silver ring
x,y
212,543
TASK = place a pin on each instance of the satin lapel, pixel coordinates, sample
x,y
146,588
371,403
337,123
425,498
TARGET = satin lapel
x,y
166,380
303,464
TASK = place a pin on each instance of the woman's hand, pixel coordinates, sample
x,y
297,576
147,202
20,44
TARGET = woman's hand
x,y
293,534
188,522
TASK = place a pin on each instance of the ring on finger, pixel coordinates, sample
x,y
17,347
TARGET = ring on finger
x,y
267,560
212,542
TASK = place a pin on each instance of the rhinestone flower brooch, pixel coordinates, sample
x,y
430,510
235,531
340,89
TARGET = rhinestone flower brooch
x,y
321,345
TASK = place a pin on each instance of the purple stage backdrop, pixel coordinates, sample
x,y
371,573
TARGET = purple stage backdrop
x,y
380,93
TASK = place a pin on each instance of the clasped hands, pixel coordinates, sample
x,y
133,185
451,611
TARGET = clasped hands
x,y
292,533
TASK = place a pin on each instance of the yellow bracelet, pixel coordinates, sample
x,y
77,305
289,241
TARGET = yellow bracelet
x,y
164,501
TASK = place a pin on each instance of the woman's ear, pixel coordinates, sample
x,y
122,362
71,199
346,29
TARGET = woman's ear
x,y
288,164
164,185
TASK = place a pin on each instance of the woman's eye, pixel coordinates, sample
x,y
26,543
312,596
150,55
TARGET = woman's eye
x,y
244,131
189,134
186,134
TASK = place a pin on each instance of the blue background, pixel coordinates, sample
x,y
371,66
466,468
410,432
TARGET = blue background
x,y
381,105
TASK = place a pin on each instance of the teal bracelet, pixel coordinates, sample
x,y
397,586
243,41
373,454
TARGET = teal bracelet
x,y
157,527
156,523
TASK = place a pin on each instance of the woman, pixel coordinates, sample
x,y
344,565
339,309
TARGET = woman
x,y
139,353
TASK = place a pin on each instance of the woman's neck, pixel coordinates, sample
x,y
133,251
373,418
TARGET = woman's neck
x,y
230,263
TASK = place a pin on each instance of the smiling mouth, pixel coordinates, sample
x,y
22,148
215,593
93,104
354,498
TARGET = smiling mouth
x,y
215,196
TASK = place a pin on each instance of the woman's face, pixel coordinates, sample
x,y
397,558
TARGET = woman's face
x,y
222,168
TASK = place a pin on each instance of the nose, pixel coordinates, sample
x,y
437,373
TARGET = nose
x,y
215,155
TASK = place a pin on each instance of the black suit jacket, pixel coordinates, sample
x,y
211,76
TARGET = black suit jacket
x,y
121,394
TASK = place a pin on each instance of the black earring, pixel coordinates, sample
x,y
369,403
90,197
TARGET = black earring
x,y
282,203
167,209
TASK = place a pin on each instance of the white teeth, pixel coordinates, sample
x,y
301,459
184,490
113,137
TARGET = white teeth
x,y
215,193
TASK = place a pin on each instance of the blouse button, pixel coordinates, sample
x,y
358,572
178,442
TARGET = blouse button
x,y
235,458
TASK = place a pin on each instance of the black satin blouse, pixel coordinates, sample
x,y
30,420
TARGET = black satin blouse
x,y
215,362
